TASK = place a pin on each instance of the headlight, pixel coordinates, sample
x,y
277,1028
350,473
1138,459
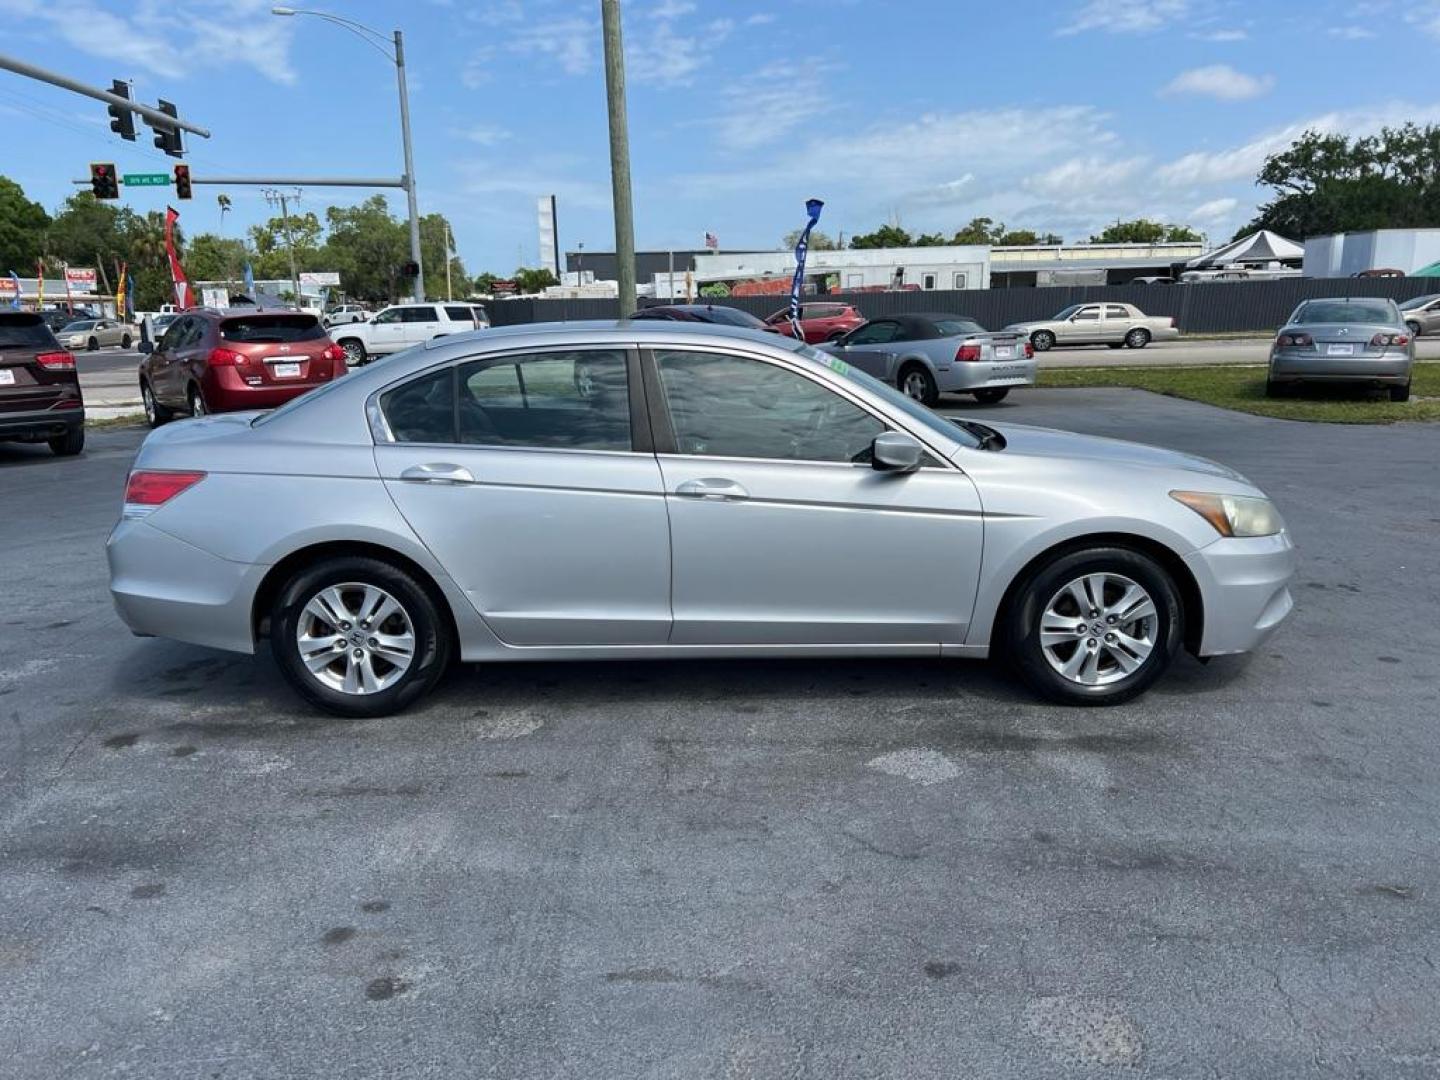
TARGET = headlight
x,y
1233,515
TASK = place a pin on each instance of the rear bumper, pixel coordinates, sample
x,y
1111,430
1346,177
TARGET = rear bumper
x,y
1387,367
164,587
227,391
962,377
39,424
1245,587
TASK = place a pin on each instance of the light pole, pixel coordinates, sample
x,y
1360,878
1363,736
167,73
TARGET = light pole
x,y
379,41
619,155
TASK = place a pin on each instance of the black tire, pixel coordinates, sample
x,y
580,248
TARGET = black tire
x,y
69,444
355,354
915,381
1400,393
1137,338
93,345
196,397
1020,635
992,396
1414,328
155,413
1116,344
1274,389
1043,340
125,341
429,627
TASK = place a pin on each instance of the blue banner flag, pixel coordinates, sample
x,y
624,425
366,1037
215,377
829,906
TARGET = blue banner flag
x,y
802,247
249,281
15,302
129,297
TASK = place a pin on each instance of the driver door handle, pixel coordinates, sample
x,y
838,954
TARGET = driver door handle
x,y
715,488
438,473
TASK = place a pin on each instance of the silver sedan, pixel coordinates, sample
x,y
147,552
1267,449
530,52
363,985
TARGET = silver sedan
x,y
1362,341
710,492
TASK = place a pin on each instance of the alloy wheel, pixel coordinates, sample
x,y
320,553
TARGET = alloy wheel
x,y
915,385
1099,629
354,354
355,638
148,399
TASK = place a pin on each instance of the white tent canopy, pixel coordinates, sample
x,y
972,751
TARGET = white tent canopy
x,y
1259,247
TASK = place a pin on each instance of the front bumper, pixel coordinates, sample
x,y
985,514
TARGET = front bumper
x,y
978,375
1245,587
164,587
1389,367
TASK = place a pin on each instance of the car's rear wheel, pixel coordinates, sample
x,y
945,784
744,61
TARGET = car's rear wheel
x,y
1414,328
1095,627
1400,393
359,637
1137,338
354,352
992,396
916,382
155,413
69,444
1043,340
196,398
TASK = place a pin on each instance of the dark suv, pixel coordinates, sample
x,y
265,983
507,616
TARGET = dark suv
x,y
39,389
211,361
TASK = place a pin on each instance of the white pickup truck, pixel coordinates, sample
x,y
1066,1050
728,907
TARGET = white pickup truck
x,y
402,325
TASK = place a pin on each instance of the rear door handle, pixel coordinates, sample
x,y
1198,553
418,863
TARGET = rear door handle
x,y
438,472
710,487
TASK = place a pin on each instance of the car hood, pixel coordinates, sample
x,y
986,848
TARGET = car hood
x,y
1048,442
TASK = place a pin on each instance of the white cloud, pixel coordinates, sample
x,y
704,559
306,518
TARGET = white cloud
x,y
1222,35
1214,210
770,103
1084,174
1426,18
482,134
1126,16
1221,82
1351,33
760,18
568,41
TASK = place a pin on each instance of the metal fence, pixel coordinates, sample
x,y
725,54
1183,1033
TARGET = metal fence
x,y
1212,307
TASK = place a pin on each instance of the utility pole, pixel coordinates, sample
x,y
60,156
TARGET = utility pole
x,y
272,197
449,245
619,154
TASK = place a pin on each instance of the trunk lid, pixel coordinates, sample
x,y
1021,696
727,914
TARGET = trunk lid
x,y
281,349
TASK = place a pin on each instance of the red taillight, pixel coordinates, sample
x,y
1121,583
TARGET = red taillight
x,y
333,353
148,488
225,358
1029,351
1381,340
56,361
1290,341
967,353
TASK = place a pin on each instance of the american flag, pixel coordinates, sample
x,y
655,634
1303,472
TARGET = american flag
x,y
712,241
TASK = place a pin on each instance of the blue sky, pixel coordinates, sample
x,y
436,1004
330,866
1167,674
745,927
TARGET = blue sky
x,y
1046,114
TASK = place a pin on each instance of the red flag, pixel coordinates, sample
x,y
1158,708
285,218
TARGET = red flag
x,y
183,296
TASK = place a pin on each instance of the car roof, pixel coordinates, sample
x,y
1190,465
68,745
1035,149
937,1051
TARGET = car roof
x,y
630,329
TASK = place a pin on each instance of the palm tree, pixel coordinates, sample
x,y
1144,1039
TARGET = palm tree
x,y
147,242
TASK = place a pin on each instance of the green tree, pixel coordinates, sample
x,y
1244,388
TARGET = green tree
x,y
1017,238
484,281
819,241
886,236
86,230
215,258
434,245
22,229
271,244
1144,231
981,230
931,240
532,280
367,246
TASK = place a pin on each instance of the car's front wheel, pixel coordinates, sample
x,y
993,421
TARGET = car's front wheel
x,y
916,382
93,345
359,637
1414,328
1095,627
125,341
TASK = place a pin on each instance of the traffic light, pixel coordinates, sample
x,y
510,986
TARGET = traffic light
x,y
167,138
104,184
410,269
182,181
122,120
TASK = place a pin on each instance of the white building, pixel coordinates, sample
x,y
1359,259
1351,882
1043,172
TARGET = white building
x,y
959,267
1345,254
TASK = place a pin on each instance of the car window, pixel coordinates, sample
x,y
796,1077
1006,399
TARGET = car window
x,y
578,399
1116,311
956,327
272,328
728,316
460,313
1065,313
875,333
1088,314
1346,311
174,334
389,315
422,410
418,314
24,331
734,406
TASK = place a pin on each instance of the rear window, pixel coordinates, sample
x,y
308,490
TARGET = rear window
x,y
956,327
727,316
25,331
1345,311
268,329
460,314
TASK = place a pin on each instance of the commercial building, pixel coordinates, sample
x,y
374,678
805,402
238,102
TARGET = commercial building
x,y
1348,254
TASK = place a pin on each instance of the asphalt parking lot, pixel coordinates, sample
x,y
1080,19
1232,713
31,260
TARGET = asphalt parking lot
x,y
738,869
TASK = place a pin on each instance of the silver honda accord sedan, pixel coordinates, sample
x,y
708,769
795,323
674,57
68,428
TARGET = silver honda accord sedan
x,y
659,489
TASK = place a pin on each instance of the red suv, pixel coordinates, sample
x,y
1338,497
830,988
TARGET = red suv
x,y
212,361
819,322
39,390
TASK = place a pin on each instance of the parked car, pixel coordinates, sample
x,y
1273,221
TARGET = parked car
x,y
1157,279
728,493
925,356
92,334
213,361
819,322
346,313
400,326
40,397
1116,325
718,314
1422,314
1362,341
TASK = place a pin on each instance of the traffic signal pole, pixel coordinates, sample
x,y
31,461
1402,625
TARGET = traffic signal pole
x,y
154,117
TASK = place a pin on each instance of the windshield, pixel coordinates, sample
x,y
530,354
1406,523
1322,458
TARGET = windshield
x,y
1345,311
1065,313
1419,302
79,326
896,400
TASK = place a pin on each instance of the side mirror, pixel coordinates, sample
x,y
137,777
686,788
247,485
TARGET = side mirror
x,y
894,451
146,347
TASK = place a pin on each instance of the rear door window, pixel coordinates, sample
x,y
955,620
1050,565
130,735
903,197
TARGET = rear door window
x,y
568,400
270,329
423,410
418,314
1115,311
25,331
